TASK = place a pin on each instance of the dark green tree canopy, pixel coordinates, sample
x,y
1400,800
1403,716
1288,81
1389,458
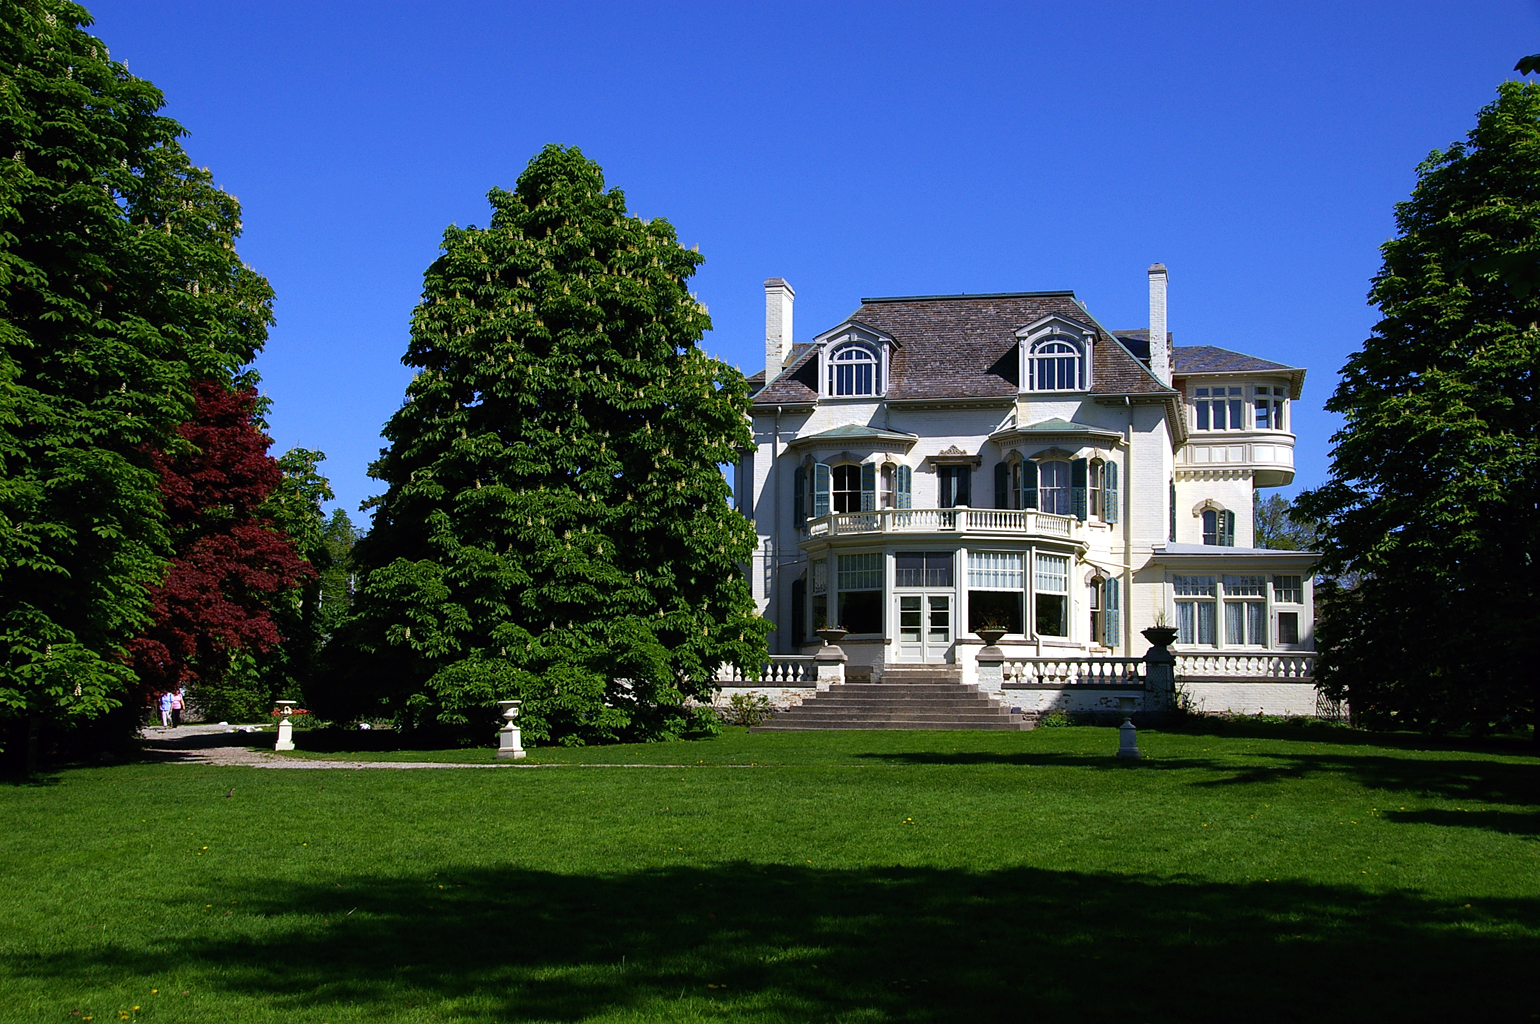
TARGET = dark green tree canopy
x,y
119,284
1432,502
555,526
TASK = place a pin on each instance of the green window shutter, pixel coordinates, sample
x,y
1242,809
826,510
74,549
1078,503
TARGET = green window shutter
x,y
1229,528
799,496
1110,501
1077,475
1002,485
868,486
1112,617
1172,510
902,485
963,488
1029,485
823,484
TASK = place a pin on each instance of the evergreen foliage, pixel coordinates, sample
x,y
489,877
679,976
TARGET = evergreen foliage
x,y
1432,505
119,285
555,526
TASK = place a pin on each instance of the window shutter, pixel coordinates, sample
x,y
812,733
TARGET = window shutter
x,y
799,496
1172,510
823,482
1002,485
944,486
868,486
1029,485
1229,528
1077,474
1112,614
1110,501
904,478
963,489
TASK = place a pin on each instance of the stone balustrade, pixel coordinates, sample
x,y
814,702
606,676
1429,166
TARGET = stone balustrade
x,y
1058,672
1261,665
780,670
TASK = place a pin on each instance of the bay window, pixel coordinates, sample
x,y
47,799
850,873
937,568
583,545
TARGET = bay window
x,y
859,590
1220,408
1271,403
1245,600
1197,613
1050,584
995,590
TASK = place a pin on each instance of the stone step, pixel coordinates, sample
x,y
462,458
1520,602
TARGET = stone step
x,y
892,726
928,703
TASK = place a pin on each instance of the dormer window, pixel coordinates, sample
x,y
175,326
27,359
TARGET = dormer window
x,y
1054,365
1055,355
854,369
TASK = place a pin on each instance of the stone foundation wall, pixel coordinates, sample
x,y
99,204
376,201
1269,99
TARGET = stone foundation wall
x,y
1270,697
781,697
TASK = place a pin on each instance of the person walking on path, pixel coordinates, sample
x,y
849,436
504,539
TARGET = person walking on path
x,y
176,708
165,711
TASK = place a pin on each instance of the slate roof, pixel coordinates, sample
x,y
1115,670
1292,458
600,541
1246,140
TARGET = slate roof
x,y
1209,359
964,346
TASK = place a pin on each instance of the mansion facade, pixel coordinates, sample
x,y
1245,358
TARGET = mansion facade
x,y
936,465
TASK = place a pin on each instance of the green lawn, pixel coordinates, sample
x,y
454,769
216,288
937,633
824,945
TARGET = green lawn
x,y
1244,873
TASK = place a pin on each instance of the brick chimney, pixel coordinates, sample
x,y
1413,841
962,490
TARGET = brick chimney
x,y
778,299
1160,347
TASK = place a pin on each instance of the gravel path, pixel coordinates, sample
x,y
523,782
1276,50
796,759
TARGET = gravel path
x,y
227,745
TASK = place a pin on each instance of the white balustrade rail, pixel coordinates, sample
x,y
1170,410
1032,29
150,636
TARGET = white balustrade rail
x,y
1262,665
941,520
781,670
1123,672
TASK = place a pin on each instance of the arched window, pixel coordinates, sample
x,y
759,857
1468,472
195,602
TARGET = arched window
x,y
854,370
1055,365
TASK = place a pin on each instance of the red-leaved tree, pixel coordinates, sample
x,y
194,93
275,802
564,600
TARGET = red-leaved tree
x,y
230,563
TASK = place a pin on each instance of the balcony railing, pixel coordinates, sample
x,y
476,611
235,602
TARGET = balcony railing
x,y
1010,522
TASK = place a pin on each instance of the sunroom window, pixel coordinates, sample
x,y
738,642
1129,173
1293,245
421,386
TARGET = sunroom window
x,y
1050,581
859,585
1245,611
1220,408
1271,404
854,370
1197,612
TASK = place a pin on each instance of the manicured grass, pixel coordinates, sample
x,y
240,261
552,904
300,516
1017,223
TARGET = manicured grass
x,y
1237,874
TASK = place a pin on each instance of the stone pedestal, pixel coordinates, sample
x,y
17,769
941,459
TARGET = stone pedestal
x,y
1159,670
830,659
285,726
1128,736
509,740
991,669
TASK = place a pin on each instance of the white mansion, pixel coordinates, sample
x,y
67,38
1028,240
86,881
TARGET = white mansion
x,y
938,464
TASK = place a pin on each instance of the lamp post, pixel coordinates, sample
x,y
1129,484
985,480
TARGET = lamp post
x,y
285,725
508,739
1128,736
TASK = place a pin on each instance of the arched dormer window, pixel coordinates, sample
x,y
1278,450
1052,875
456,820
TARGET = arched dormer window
x,y
1055,364
854,369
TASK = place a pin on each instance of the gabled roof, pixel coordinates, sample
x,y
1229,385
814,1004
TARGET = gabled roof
x,y
952,347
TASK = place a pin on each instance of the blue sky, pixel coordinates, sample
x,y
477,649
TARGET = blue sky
x,y
854,149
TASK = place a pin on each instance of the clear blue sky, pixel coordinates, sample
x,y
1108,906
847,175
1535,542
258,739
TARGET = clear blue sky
x,y
854,149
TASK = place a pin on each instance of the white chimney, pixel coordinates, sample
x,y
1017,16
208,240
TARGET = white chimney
x,y
778,299
1160,347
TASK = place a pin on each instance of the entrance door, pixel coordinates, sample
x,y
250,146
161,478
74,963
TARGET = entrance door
x,y
924,627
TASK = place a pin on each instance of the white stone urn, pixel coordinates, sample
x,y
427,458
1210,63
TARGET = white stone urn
x,y
509,741
285,725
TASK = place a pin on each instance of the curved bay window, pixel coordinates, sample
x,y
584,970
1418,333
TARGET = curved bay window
x,y
995,591
854,369
1056,364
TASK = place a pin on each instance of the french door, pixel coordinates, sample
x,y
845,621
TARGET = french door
x,y
924,627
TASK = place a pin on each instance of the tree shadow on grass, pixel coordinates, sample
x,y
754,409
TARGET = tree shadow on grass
x,y
1307,730
772,943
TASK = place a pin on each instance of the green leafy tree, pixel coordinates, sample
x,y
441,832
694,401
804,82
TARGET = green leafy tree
x,y
1277,527
555,526
119,285
1432,505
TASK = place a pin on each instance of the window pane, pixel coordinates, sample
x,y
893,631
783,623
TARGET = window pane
x,y
1053,487
821,576
1255,612
1194,586
1206,616
997,606
1235,622
940,625
1288,627
1051,617
861,611
997,570
1186,622
860,572
910,616
1052,574
1289,589
1245,586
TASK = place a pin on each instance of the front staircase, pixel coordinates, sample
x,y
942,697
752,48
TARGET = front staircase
x,y
908,697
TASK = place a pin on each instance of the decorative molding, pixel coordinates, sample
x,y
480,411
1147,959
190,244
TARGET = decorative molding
x,y
1207,505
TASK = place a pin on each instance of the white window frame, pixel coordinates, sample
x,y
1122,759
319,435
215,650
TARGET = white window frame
x,y
847,356
1054,330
